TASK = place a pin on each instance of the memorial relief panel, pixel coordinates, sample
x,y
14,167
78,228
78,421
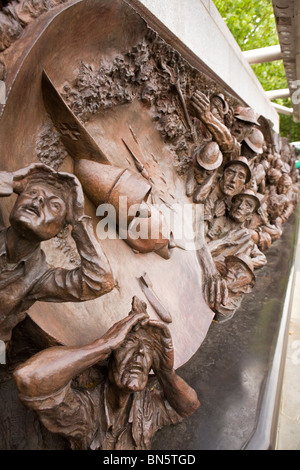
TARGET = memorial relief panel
x,y
130,181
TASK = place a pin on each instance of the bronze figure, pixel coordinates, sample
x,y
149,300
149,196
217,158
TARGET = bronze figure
x,y
202,174
131,123
229,140
238,273
47,201
119,411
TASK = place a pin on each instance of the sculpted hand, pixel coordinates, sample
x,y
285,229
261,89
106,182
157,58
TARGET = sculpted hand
x,y
215,291
242,235
19,176
220,208
118,332
163,351
76,200
238,237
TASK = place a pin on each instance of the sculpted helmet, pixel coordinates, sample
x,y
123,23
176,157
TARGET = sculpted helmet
x,y
210,157
248,193
241,161
243,260
246,114
256,141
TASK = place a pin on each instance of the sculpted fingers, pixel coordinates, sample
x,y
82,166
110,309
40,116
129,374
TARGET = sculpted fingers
x,y
224,292
200,102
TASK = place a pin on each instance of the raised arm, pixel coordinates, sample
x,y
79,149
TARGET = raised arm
x,y
93,277
10,180
218,130
6,183
51,370
177,392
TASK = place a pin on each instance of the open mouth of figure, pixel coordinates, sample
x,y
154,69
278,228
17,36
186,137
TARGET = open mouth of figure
x,y
31,210
136,369
238,214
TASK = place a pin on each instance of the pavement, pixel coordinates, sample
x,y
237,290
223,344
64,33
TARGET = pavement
x,y
288,437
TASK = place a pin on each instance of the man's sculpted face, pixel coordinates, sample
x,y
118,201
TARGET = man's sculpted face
x,y
283,186
39,212
132,361
234,179
237,277
201,174
276,206
241,129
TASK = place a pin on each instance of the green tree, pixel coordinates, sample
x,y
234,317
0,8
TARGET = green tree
x,y
252,23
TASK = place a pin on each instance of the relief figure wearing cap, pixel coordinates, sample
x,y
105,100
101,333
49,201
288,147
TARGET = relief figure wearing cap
x,y
252,149
229,235
46,202
236,174
203,173
277,204
281,202
238,273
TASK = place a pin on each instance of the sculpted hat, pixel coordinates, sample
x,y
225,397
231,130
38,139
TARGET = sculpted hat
x,y
210,157
241,161
256,141
248,193
38,173
246,114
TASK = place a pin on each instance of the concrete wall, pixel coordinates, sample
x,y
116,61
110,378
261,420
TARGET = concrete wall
x,y
198,24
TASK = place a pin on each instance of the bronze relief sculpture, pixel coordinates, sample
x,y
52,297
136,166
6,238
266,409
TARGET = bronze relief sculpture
x,y
122,133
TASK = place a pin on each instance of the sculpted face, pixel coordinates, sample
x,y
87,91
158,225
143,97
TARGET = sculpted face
x,y
132,361
248,152
233,180
201,174
276,206
241,129
39,212
272,179
242,208
284,186
238,277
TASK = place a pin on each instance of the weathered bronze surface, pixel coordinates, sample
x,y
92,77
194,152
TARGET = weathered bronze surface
x,y
120,116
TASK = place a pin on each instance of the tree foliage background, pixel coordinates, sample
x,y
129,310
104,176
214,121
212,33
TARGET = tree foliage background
x,y
252,23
